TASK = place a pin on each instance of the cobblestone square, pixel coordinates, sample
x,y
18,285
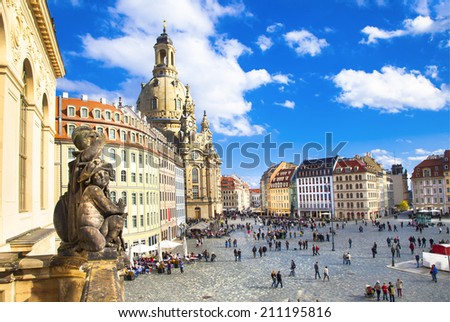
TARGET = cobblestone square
x,y
226,280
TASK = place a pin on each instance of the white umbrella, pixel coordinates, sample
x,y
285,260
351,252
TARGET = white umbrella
x,y
185,249
141,248
167,244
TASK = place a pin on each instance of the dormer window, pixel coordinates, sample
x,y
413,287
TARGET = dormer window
x,y
107,115
71,111
97,114
84,112
117,117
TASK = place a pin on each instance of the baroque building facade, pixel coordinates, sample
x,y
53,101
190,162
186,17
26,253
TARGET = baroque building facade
x,y
168,106
430,184
30,63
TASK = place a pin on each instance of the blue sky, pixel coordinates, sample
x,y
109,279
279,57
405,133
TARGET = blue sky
x,y
372,73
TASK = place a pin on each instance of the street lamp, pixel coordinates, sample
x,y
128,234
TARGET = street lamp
x,y
332,231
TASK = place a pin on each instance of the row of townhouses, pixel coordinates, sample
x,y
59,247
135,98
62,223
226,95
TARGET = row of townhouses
x,y
354,188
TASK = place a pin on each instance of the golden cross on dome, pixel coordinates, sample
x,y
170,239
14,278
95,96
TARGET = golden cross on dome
x,y
164,26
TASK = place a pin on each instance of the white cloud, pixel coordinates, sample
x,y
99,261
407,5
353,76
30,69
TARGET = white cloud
x,y
305,43
422,151
287,104
432,71
275,27
283,79
217,81
421,7
391,90
385,158
403,141
264,42
417,26
93,91
419,158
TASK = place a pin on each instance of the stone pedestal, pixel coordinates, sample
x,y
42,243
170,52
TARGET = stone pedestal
x,y
89,277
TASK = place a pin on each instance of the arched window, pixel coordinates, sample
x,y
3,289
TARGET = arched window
x,y
194,175
123,176
124,197
112,195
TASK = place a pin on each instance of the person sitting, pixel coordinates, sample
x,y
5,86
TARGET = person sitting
x,y
369,291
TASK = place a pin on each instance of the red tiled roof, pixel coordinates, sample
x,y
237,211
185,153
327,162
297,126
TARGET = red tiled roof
x,y
434,165
355,166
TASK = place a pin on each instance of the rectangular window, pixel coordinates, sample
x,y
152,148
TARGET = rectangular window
x,y
117,117
70,156
142,220
97,114
195,192
133,157
108,115
141,198
123,136
133,198
133,177
134,221
84,112
140,177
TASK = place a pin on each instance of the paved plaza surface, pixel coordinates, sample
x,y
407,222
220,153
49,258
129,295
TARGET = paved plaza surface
x,y
249,280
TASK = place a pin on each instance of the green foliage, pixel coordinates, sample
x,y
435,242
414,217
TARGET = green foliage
x,y
403,205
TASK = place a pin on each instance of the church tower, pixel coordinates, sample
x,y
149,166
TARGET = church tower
x,y
168,105
163,97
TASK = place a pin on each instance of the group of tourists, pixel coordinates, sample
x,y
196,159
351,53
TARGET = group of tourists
x,y
387,291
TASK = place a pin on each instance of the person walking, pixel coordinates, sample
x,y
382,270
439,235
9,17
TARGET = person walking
x,y
239,254
293,266
349,243
325,274
374,251
254,251
391,290
316,270
260,251
377,288
235,254
433,273
399,285
273,275
384,289
279,280
417,260
181,267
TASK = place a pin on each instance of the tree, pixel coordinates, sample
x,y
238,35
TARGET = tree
x,y
403,205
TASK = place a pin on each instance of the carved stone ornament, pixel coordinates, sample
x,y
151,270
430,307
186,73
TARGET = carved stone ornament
x,y
85,218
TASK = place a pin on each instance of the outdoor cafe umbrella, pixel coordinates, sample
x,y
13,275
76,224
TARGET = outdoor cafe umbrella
x,y
167,244
141,248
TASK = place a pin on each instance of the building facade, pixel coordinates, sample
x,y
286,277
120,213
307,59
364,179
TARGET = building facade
x,y
30,63
168,106
279,190
358,190
429,184
314,186
399,183
143,160
255,198
235,194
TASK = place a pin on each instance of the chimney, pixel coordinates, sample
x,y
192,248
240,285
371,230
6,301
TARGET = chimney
x,y
84,97
65,95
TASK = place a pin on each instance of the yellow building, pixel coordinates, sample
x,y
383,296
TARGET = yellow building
x,y
169,107
276,185
30,63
